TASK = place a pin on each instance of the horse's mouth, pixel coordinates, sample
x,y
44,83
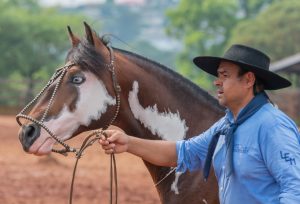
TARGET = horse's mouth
x,y
35,140
42,146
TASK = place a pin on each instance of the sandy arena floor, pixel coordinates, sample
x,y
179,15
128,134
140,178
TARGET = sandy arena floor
x,y
30,179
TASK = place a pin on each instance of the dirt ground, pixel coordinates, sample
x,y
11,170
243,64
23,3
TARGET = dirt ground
x,y
25,178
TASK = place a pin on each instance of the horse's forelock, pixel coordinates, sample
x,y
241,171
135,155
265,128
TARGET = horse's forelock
x,y
86,56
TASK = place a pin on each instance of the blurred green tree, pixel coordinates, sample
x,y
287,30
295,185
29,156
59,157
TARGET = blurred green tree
x,y
33,42
275,30
204,27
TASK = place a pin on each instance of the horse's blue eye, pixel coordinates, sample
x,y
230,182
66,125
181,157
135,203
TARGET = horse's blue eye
x,y
77,80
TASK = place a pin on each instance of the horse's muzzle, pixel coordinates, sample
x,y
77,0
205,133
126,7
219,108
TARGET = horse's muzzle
x,y
28,134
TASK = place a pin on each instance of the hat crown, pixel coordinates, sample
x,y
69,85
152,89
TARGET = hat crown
x,y
248,55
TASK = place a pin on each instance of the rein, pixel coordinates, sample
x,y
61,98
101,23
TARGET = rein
x,y
91,138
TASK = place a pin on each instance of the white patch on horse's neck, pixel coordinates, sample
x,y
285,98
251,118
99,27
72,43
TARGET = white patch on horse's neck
x,y
167,125
92,103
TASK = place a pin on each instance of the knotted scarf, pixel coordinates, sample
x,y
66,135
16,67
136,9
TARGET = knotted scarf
x,y
252,107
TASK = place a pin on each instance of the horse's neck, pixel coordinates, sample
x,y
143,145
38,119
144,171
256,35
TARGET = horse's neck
x,y
154,99
155,93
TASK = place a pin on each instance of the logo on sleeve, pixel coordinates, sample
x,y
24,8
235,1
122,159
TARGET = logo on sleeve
x,y
286,157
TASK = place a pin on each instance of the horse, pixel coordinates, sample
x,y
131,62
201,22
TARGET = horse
x,y
101,85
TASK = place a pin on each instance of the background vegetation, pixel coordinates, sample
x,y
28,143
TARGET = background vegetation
x,y
33,44
210,27
34,38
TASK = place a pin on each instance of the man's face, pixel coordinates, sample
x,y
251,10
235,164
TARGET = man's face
x,y
231,88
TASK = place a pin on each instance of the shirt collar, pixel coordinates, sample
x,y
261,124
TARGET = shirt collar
x,y
229,115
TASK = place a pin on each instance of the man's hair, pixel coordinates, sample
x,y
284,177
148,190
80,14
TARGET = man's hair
x,y
258,84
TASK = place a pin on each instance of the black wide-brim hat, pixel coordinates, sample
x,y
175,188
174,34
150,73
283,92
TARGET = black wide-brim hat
x,y
248,59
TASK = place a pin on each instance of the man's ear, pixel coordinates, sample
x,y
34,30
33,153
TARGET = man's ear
x,y
250,79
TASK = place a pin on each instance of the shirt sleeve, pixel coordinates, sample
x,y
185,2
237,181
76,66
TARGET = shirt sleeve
x,y
191,153
280,147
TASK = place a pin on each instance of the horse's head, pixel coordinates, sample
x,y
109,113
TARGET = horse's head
x,y
68,104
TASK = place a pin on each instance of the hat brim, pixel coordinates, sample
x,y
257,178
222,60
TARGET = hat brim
x,y
270,80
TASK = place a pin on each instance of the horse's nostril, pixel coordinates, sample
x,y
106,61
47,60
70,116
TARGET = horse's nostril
x,y
29,134
30,131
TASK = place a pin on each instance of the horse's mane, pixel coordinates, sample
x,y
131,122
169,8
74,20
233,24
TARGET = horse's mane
x,y
154,67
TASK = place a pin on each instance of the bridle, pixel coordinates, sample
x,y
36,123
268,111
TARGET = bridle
x,y
91,138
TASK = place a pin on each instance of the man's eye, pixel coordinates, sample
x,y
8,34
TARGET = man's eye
x,y
78,79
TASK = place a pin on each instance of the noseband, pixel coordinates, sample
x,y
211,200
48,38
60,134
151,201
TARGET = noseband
x,y
91,138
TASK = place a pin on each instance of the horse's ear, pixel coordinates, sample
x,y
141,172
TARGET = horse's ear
x,y
73,38
89,33
93,39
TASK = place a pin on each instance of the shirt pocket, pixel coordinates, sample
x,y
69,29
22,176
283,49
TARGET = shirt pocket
x,y
248,162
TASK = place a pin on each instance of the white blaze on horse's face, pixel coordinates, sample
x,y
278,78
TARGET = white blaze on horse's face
x,y
93,100
166,125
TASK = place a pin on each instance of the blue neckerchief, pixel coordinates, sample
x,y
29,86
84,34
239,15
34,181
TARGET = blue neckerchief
x,y
252,107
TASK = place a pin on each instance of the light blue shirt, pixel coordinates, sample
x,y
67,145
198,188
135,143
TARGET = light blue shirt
x,y
266,158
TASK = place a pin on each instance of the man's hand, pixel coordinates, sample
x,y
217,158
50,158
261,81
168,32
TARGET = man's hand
x,y
116,141
158,152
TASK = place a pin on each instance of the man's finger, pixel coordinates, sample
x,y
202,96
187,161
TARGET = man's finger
x,y
109,151
107,147
108,133
102,137
103,141
112,135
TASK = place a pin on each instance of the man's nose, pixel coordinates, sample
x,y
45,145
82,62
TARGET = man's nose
x,y
217,82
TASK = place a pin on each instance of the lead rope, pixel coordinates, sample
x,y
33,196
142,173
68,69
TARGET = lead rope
x,y
89,140
166,176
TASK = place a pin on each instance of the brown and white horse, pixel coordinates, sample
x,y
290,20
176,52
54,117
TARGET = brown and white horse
x,y
156,103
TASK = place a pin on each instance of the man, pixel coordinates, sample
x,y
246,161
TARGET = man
x,y
254,148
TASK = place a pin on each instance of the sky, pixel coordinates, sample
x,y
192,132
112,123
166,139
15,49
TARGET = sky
x,y
68,2
72,3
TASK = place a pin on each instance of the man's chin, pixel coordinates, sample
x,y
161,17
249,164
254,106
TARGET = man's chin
x,y
221,102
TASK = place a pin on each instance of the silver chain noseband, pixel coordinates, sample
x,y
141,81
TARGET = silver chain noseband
x,y
91,138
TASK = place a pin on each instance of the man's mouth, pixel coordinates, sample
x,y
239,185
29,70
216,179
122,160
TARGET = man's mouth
x,y
219,93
